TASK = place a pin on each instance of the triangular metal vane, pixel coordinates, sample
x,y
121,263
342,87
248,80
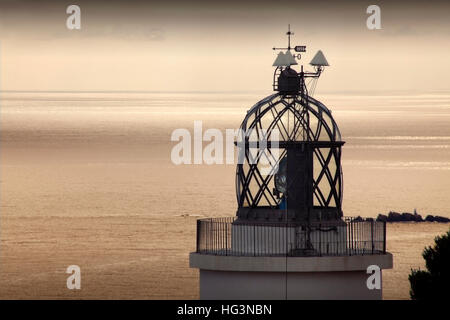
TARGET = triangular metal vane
x,y
319,60
281,61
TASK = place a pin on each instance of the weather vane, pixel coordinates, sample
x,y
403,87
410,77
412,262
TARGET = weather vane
x,y
296,48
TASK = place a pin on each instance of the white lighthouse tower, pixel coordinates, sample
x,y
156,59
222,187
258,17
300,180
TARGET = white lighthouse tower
x,y
289,238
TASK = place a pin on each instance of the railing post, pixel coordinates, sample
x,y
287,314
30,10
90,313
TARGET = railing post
x,y
207,234
320,240
254,240
226,238
371,234
351,235
198,236
384,236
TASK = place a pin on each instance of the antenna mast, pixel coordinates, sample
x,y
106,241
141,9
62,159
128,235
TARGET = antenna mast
x,y
289,33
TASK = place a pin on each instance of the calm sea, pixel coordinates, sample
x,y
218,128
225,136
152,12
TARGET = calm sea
x,y
87,179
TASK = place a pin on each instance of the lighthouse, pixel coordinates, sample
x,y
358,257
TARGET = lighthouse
x,y
289,238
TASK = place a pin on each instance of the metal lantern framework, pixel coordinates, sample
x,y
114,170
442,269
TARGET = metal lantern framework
x,y
289,194
304,182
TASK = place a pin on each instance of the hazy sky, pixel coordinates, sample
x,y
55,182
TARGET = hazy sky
x,y
220,46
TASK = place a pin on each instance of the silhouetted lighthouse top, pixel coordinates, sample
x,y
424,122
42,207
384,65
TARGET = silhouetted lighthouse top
x,y
306,180
289,239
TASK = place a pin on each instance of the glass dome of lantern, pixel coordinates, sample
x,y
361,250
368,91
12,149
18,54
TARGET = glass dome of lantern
x,y
298,178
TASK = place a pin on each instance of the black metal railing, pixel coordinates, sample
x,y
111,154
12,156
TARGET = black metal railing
x,y
346,237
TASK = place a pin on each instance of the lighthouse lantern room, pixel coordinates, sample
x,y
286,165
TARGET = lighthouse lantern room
x,y
289,238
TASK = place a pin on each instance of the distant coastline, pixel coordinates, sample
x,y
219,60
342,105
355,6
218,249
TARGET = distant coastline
x,y
393,216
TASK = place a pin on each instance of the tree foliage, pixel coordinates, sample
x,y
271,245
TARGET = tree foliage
x,y
435,282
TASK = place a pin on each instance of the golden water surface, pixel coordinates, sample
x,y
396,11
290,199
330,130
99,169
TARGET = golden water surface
x,y
87,179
